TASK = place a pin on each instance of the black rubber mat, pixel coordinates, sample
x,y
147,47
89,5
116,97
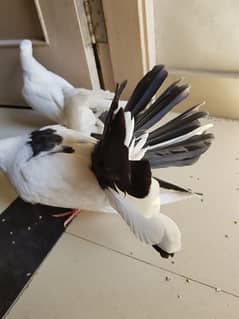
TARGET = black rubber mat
x,y
16,107
27,234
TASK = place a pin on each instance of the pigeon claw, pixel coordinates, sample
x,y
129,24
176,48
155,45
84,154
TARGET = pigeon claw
x,y
71,213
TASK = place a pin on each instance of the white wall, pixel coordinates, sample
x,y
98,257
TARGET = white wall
x,y
203,37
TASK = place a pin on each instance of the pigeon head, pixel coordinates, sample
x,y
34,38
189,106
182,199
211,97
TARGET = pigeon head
x,y
171,240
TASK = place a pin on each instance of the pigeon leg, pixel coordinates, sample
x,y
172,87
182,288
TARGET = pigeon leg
x,y
71,213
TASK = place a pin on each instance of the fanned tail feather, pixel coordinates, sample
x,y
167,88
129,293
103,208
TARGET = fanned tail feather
x,y
179,142
162,106
146,89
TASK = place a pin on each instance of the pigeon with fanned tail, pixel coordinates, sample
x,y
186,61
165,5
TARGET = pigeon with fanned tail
x,y
56,99
60,167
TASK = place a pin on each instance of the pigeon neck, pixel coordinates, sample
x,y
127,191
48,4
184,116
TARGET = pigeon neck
x,y
8,149
26,61
30,64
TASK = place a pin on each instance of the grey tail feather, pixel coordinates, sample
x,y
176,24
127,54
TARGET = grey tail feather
x,y
177,127
180,154
146,89
163,104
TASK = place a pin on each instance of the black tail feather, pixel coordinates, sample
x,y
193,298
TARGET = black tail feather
x,y
168,185
146,89
176,125
114,105
189,111
161,107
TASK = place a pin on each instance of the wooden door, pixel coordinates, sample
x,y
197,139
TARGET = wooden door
x,y
131,40
58,29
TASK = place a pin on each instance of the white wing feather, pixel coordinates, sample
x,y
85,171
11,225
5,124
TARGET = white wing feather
x,y
150,230
129,128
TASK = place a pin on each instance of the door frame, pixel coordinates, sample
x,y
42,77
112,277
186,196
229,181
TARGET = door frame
x,y
131,39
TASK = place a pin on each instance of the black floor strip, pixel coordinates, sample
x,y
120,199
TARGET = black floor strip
x,y
27,233
16,107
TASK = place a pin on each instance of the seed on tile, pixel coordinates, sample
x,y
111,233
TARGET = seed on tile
x,y
218,289
28,274
226,236
3,220
187,280
179,296
40,217
29,228
13,242
167,278
173,262
235,222
11,233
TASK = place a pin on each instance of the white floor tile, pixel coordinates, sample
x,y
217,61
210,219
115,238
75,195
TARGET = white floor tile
x,y
82,280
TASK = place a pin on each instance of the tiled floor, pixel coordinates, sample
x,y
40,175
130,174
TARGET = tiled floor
x,y
99,270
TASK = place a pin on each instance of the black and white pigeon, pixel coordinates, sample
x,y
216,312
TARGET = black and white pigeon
x,y
55,98
60,167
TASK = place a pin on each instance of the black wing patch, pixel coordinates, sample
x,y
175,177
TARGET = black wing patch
x,y
110,162
45,140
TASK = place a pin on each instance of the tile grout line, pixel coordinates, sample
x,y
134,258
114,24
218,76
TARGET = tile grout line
x,y
21,293
153,265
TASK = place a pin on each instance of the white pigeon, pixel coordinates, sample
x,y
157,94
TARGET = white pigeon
x,y
56,99
61,167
